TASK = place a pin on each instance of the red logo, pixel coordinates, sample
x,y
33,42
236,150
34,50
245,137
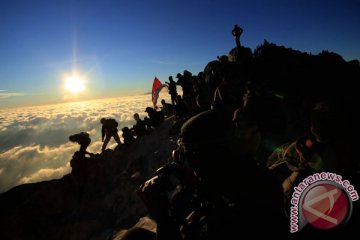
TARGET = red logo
x,y
325,206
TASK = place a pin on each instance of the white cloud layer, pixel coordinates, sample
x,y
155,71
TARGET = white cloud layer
x,y
34,143
7,94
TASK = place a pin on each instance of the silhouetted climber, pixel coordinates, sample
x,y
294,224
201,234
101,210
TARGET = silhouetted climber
x,y
167,108
155,117
181,110
328,146
127,135
297,160
186,83
83,139
172,89
322,150
236,32
108,130
139,128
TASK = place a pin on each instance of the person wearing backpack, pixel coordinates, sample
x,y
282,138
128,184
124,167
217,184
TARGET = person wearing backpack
x,y
108,130
83,139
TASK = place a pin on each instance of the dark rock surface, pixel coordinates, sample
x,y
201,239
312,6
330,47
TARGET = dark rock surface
x,y
103,204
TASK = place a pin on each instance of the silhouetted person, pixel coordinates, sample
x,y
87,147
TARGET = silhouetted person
x,y
172,89
167,108
327,148
236,32
155,117
181,110
83,139
139,128
127,135
185,81
108,130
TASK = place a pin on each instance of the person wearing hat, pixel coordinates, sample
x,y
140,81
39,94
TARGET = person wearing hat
x,y
228,194
83,139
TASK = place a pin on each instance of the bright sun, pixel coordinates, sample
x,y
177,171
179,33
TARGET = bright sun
x,y
74,84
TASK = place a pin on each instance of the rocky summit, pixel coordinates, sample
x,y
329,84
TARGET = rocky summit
x,y
98,199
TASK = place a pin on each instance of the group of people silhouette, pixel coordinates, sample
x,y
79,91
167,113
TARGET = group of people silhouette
x,y
85,163
110,130
222,122
222,188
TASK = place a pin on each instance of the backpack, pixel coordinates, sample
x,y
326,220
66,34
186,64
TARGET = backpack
x,y
112,123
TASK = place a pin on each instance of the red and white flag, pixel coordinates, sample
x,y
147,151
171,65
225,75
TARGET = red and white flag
x,y
156,88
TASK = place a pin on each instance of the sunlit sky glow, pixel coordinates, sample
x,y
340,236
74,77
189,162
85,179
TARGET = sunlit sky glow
x,y
74,84
120,45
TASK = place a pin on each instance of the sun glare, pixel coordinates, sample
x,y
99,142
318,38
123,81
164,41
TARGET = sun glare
x,y
74,84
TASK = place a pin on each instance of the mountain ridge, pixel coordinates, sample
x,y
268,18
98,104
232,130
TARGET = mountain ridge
x,y
106,203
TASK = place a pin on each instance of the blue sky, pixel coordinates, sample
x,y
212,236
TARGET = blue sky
x,y
119,46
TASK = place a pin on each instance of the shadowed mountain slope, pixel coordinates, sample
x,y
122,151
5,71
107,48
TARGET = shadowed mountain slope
x,y
93,208
101,200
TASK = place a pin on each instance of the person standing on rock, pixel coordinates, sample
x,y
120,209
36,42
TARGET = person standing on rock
x,y
236,32
172,89
108,130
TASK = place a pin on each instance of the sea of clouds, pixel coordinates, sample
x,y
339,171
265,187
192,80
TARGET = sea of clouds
x,y
34,141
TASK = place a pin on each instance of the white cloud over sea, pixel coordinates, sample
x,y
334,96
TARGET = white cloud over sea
x,y
34,143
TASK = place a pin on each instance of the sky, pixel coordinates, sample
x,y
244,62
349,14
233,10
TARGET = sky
x,y
117,47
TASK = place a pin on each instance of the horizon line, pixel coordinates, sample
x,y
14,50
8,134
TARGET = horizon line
x,y
74,101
